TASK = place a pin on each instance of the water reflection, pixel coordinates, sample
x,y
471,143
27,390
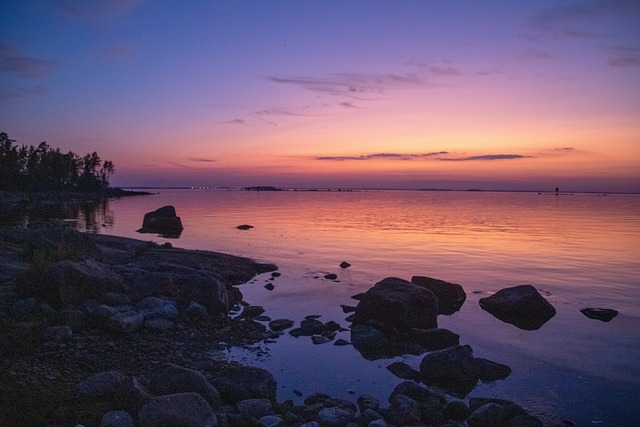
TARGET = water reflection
x,y
86,216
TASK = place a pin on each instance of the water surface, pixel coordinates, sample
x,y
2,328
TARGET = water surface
x,y
579,250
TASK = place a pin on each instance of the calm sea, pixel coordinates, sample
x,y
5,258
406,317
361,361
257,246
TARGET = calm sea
x,y
579,250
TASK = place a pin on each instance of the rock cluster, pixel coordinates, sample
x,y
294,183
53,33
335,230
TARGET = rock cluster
x,y
398,317
246,396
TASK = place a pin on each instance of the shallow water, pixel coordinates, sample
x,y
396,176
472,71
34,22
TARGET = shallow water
x,y
579,250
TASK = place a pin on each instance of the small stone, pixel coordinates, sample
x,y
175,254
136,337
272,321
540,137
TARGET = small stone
x,y
269,286
347,308
117,419
602,314
244,227
276,274
331,276
319,339
344,264
341,342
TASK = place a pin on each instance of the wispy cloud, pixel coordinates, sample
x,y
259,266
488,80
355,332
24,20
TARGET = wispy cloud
x,y
435,156
564,149
235,122
95,10
201,160
6,94
487,157
283,112
571,21
355,85
13,61
621,56
388,156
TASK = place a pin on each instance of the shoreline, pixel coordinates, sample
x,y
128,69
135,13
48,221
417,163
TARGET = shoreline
x,y
195,345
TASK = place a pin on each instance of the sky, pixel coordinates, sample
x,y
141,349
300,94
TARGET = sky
x,y
506,95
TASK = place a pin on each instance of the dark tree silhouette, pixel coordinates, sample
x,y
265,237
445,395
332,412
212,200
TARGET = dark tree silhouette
x,y
42,168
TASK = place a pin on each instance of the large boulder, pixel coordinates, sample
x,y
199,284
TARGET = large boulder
x,y
457,371
237,383
398,304
163,221
450,296
522,306
182,409
69,283
175,379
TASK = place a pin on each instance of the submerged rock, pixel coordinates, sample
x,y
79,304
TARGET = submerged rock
x,y
457,371
522,306
602,314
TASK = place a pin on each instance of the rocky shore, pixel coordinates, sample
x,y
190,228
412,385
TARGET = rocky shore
x,y
99,330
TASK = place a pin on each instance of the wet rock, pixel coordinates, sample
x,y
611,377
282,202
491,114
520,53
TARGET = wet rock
x,y
450,296
278,325
368,402
602,314
403,411
163,221
434,339
175,379
100,384
367,338
491,371
453,369
341,342
68,283
457,410
256,408
131,395
244,227
183,409
128,321
252,311
319,339
521,306
347,308
271,421
235,383
269,286
196,311
404,371
335,417
488,415
117,419
399,304
331,276
344,264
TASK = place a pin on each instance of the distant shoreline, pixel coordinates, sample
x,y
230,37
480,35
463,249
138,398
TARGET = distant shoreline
x,y
347,190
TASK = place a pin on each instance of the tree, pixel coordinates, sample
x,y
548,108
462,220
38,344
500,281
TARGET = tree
x,y
44,168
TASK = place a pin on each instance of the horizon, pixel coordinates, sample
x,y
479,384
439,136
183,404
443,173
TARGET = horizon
x,y
493,96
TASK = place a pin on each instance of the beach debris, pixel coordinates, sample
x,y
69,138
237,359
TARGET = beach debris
x,y
521,306
602,314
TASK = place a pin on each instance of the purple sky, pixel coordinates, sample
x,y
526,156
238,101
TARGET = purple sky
x,y
396,94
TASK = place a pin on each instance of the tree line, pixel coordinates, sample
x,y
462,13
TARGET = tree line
x,y
44,168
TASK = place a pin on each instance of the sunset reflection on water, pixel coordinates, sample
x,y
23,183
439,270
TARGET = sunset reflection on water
x,y
578,250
